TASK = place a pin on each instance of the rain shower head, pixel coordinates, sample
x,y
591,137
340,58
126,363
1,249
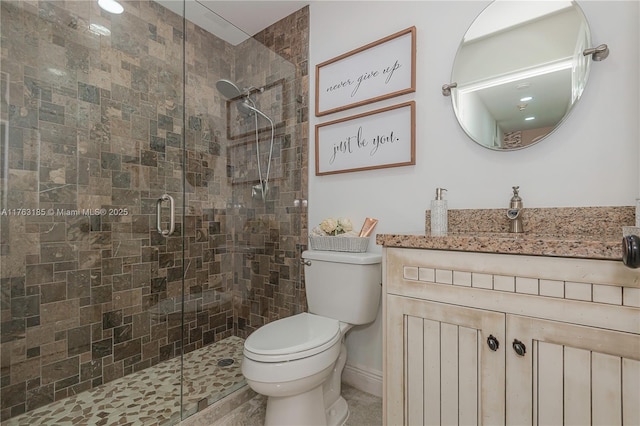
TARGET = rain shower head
x,y
231,91
228,88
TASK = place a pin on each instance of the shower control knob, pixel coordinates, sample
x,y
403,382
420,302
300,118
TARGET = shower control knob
x,y
631,251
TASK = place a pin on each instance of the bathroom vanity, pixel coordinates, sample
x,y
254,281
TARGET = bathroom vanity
x,y
498,328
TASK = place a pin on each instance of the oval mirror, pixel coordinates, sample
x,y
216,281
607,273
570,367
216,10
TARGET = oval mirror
x,y
519,71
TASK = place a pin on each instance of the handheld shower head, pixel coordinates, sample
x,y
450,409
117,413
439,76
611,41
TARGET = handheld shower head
x,y
244,106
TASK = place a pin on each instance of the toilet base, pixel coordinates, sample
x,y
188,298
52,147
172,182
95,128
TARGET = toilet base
x,y
297,410
338,413
303,410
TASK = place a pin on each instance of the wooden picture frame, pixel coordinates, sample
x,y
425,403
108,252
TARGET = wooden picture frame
x,y
380,70
373,140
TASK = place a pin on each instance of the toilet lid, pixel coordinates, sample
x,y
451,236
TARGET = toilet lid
x,y
294,337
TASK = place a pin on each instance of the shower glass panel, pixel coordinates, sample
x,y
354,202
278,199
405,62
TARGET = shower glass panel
x,y
111,125
243,172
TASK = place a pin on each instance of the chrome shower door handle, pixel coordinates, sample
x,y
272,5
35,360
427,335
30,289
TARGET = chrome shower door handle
x,y
172,215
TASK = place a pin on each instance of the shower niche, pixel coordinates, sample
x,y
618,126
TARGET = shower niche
x,y
269,99
255,121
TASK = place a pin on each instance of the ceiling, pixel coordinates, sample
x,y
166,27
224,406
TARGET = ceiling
x,y
234,21
551,94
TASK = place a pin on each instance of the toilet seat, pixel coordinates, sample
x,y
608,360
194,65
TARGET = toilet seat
x,y
296,337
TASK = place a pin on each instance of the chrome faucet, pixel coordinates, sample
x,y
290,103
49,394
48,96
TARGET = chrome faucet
x,y
514,213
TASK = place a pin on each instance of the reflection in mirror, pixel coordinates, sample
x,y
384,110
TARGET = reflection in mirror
x,y
519,70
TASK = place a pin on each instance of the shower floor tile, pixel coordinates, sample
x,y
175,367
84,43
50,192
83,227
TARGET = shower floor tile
x,y
151,396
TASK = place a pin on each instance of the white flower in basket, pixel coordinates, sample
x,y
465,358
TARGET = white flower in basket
x,y
323,237
334,227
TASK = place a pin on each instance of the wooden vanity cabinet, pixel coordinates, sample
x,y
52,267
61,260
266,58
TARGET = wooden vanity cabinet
x,y
439,371
476,338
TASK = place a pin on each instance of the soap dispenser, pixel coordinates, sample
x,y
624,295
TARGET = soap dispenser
x,y
439,217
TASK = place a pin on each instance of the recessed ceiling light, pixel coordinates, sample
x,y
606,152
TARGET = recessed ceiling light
x,y
526,99
530,118
111,6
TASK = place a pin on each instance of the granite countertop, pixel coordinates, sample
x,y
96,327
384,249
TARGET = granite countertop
x,y
591,247
585,232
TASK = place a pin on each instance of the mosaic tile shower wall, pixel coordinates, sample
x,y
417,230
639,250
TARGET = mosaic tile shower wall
x,y
93,121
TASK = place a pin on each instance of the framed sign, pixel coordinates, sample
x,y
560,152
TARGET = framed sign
x,y
373,140
379,70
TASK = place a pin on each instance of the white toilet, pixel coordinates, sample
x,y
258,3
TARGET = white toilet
x,y
297,362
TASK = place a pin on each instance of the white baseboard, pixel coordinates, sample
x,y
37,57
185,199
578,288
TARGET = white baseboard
x,y
363,378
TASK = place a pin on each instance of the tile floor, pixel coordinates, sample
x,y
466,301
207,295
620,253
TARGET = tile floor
x,y
364,410
150,397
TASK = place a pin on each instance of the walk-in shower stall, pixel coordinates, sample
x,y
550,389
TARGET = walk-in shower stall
x,y
148,218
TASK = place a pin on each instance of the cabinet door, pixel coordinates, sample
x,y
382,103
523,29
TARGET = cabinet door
x,y
439,367
571,374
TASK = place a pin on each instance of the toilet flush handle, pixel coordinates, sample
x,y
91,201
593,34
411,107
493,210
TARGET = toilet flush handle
x,y
305,262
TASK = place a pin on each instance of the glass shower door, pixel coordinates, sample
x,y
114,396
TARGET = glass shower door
x,y
91,220
245,147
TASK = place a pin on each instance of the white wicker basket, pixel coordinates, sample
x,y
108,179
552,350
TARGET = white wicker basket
x,y
351,244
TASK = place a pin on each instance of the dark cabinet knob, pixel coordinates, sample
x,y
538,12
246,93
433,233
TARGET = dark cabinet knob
x,y
519,347
631,251
493,343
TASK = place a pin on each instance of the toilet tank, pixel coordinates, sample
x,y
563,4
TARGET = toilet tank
x,y
344,286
